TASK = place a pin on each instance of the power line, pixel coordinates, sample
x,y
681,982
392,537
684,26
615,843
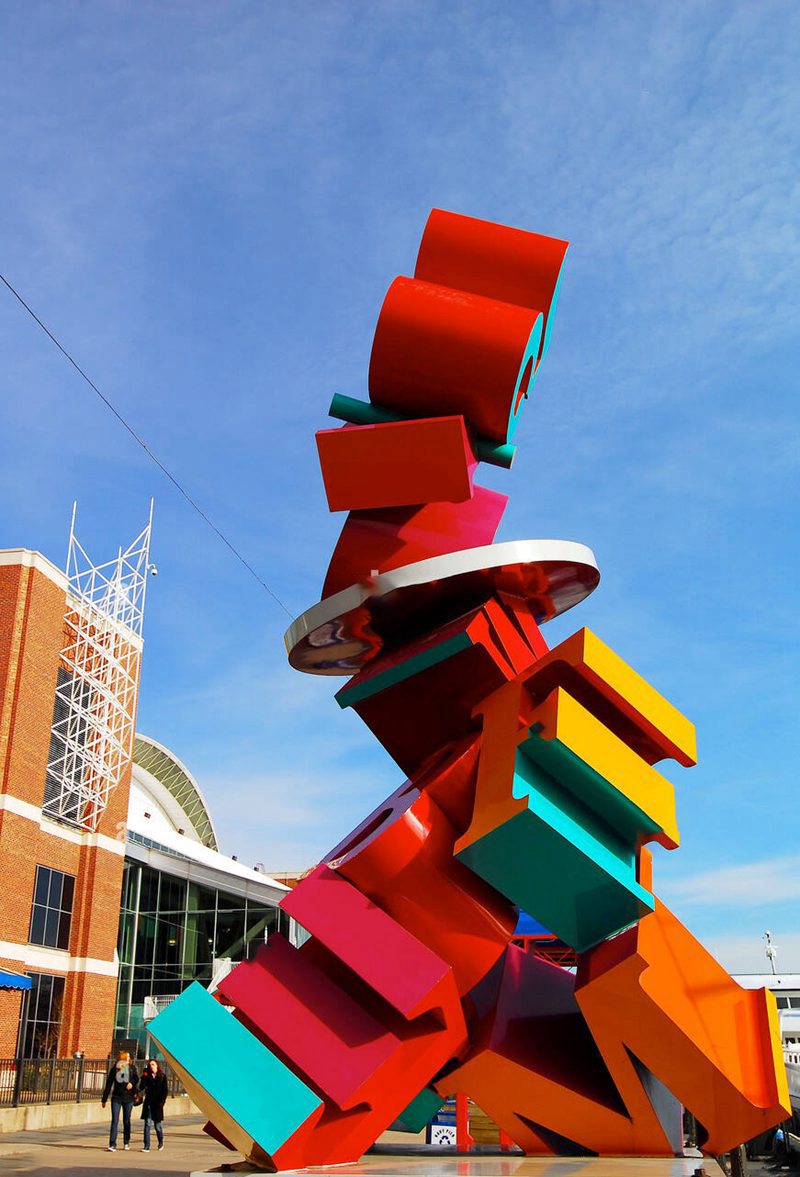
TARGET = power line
x,y
141,442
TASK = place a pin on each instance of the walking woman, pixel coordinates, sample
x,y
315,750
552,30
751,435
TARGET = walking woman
x,y
154,1086
122,1081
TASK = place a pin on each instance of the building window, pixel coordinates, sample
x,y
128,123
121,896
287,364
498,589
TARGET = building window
x,y
176,934
43,1024
51,914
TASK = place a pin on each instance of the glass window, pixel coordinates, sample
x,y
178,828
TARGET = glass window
x,y
148,900
56,888
173,894
201,898
130,884
127,934
199,943
169,940
179,931
783,1002
41,887
52,920
230,933
229,902
37,926
51,914
140,990
197,971
145,938
45,1003
261,923
166,987
143,970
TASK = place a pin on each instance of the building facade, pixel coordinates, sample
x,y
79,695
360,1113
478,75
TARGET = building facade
x,y
188,912
113,893
61,851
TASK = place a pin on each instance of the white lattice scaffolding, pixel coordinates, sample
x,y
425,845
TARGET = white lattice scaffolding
x,y
98,681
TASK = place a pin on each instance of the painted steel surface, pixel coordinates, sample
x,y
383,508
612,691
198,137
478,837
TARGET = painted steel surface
x,y
346,630
531,785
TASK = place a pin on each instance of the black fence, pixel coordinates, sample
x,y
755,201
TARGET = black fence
x,y
61,1080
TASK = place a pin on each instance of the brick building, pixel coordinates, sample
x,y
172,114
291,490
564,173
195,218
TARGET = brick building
x,y
61,850
113,893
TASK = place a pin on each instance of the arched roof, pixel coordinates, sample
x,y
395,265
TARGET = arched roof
x,y
179,783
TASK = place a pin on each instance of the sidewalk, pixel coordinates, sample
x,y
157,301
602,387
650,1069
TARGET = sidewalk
x,y
81,1151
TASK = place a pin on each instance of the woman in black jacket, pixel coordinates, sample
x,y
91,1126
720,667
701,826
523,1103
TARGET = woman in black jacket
x,y
121,1083
154,1086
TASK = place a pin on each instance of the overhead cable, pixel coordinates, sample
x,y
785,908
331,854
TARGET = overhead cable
x,y
141,442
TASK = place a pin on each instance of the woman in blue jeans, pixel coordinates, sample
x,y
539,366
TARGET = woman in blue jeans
x,y
154,1086
121,1083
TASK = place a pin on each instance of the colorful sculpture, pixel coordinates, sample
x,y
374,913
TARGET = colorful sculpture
x,y
531,785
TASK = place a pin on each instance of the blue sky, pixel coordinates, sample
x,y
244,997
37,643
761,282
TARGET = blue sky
x,y
207,202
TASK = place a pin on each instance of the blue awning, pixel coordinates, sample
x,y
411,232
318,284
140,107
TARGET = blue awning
x,y
14,980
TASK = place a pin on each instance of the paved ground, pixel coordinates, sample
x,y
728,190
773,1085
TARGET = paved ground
x,y
81,1151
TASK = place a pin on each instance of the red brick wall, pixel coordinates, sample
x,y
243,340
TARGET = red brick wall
x,y
89,1005
10,1001
31,634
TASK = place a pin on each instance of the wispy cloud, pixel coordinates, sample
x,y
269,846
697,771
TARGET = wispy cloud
x,y
767,884
289,819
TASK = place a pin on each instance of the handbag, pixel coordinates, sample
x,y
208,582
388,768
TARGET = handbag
x,y
138,1098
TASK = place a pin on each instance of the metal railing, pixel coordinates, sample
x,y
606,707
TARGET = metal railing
x,y
62,1080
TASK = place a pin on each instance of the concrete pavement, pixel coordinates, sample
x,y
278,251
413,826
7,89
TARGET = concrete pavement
x,y
80,1151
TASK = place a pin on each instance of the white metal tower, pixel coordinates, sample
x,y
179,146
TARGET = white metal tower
x,y
98,679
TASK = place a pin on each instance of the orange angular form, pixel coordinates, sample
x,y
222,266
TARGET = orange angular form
x,y
535,1069
641,800
396,464
661,1022
656,994
503,731
613,691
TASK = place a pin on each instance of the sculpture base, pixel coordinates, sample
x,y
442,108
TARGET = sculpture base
x,y
448,1163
